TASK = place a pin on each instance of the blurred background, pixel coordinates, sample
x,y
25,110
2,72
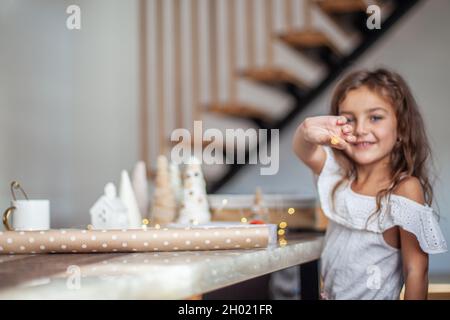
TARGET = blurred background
x,y
78,106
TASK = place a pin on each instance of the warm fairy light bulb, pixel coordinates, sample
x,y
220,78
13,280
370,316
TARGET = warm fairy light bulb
x,y
224,202
291,210
157,226
145,221
281,232
283,242
283,224
244,220
89,227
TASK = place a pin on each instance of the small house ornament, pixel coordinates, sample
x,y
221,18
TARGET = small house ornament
x,y
109,212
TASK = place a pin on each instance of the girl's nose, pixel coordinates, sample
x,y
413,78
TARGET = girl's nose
x,y
360,128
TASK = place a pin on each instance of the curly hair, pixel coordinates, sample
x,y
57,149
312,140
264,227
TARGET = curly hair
x,y
412,152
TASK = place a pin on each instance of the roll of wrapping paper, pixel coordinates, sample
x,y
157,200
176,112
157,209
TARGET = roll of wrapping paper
x,y
139,240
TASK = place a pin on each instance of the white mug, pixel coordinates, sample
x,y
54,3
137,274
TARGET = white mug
x,y
28,215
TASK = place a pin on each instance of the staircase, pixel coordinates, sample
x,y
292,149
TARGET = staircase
x,y
244,63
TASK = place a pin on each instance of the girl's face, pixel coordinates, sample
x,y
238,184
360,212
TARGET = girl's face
x,y
374,125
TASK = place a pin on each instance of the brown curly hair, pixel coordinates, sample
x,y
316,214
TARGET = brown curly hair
x,y
412,151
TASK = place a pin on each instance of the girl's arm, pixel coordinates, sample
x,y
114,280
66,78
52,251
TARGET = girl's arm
x,y
415,261
316,131
415,267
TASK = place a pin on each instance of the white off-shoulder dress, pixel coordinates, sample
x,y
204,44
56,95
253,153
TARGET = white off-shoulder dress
x,y
356,262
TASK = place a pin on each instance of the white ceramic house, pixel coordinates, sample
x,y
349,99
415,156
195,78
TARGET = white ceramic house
x,y
109,212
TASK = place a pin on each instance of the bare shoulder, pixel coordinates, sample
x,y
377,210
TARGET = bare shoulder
x,y
411,188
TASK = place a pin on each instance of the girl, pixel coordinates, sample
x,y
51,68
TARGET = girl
x,y
370,156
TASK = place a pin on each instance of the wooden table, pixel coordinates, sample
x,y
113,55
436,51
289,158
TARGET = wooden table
x,y
162,275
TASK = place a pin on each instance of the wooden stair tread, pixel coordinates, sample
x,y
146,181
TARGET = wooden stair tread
x,y
240,110
342,6
308,38
273,75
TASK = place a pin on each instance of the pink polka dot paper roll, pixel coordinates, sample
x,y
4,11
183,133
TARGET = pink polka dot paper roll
x,y
142,240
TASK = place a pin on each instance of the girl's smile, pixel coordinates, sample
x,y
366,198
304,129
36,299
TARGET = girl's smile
x,y
363,144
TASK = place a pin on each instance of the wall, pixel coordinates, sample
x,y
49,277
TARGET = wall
x,y
68,101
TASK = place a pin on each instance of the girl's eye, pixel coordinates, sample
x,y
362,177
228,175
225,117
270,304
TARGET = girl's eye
x,y
349,120
376,118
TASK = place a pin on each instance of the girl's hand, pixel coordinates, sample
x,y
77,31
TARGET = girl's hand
x,y
332,131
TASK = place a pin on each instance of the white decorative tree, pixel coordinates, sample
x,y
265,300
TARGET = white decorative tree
x,y
140,187
129,200
164,206
175,180
195,207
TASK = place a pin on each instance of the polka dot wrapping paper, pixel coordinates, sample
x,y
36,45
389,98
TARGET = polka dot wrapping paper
x,y
139,240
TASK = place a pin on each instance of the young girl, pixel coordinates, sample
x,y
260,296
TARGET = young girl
x,y
370,156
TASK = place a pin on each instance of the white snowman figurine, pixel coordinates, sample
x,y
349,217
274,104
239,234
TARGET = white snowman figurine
x,y
194,208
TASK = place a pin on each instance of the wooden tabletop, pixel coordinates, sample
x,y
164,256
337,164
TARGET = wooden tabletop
x,y
163,275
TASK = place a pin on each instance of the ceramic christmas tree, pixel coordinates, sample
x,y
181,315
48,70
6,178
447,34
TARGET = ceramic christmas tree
x,y
164,206
195,207
175,180
129,200
140,187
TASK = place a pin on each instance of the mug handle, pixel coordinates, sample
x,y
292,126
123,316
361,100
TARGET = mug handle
x,y
6,215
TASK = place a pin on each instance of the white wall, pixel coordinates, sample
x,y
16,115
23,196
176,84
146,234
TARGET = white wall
x,y
419,49
68,101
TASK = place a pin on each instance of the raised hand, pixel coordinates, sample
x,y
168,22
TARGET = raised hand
x,y
332,131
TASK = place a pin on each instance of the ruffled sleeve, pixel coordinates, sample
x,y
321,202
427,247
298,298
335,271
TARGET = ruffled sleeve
x,y
420,220
330,167
330,175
